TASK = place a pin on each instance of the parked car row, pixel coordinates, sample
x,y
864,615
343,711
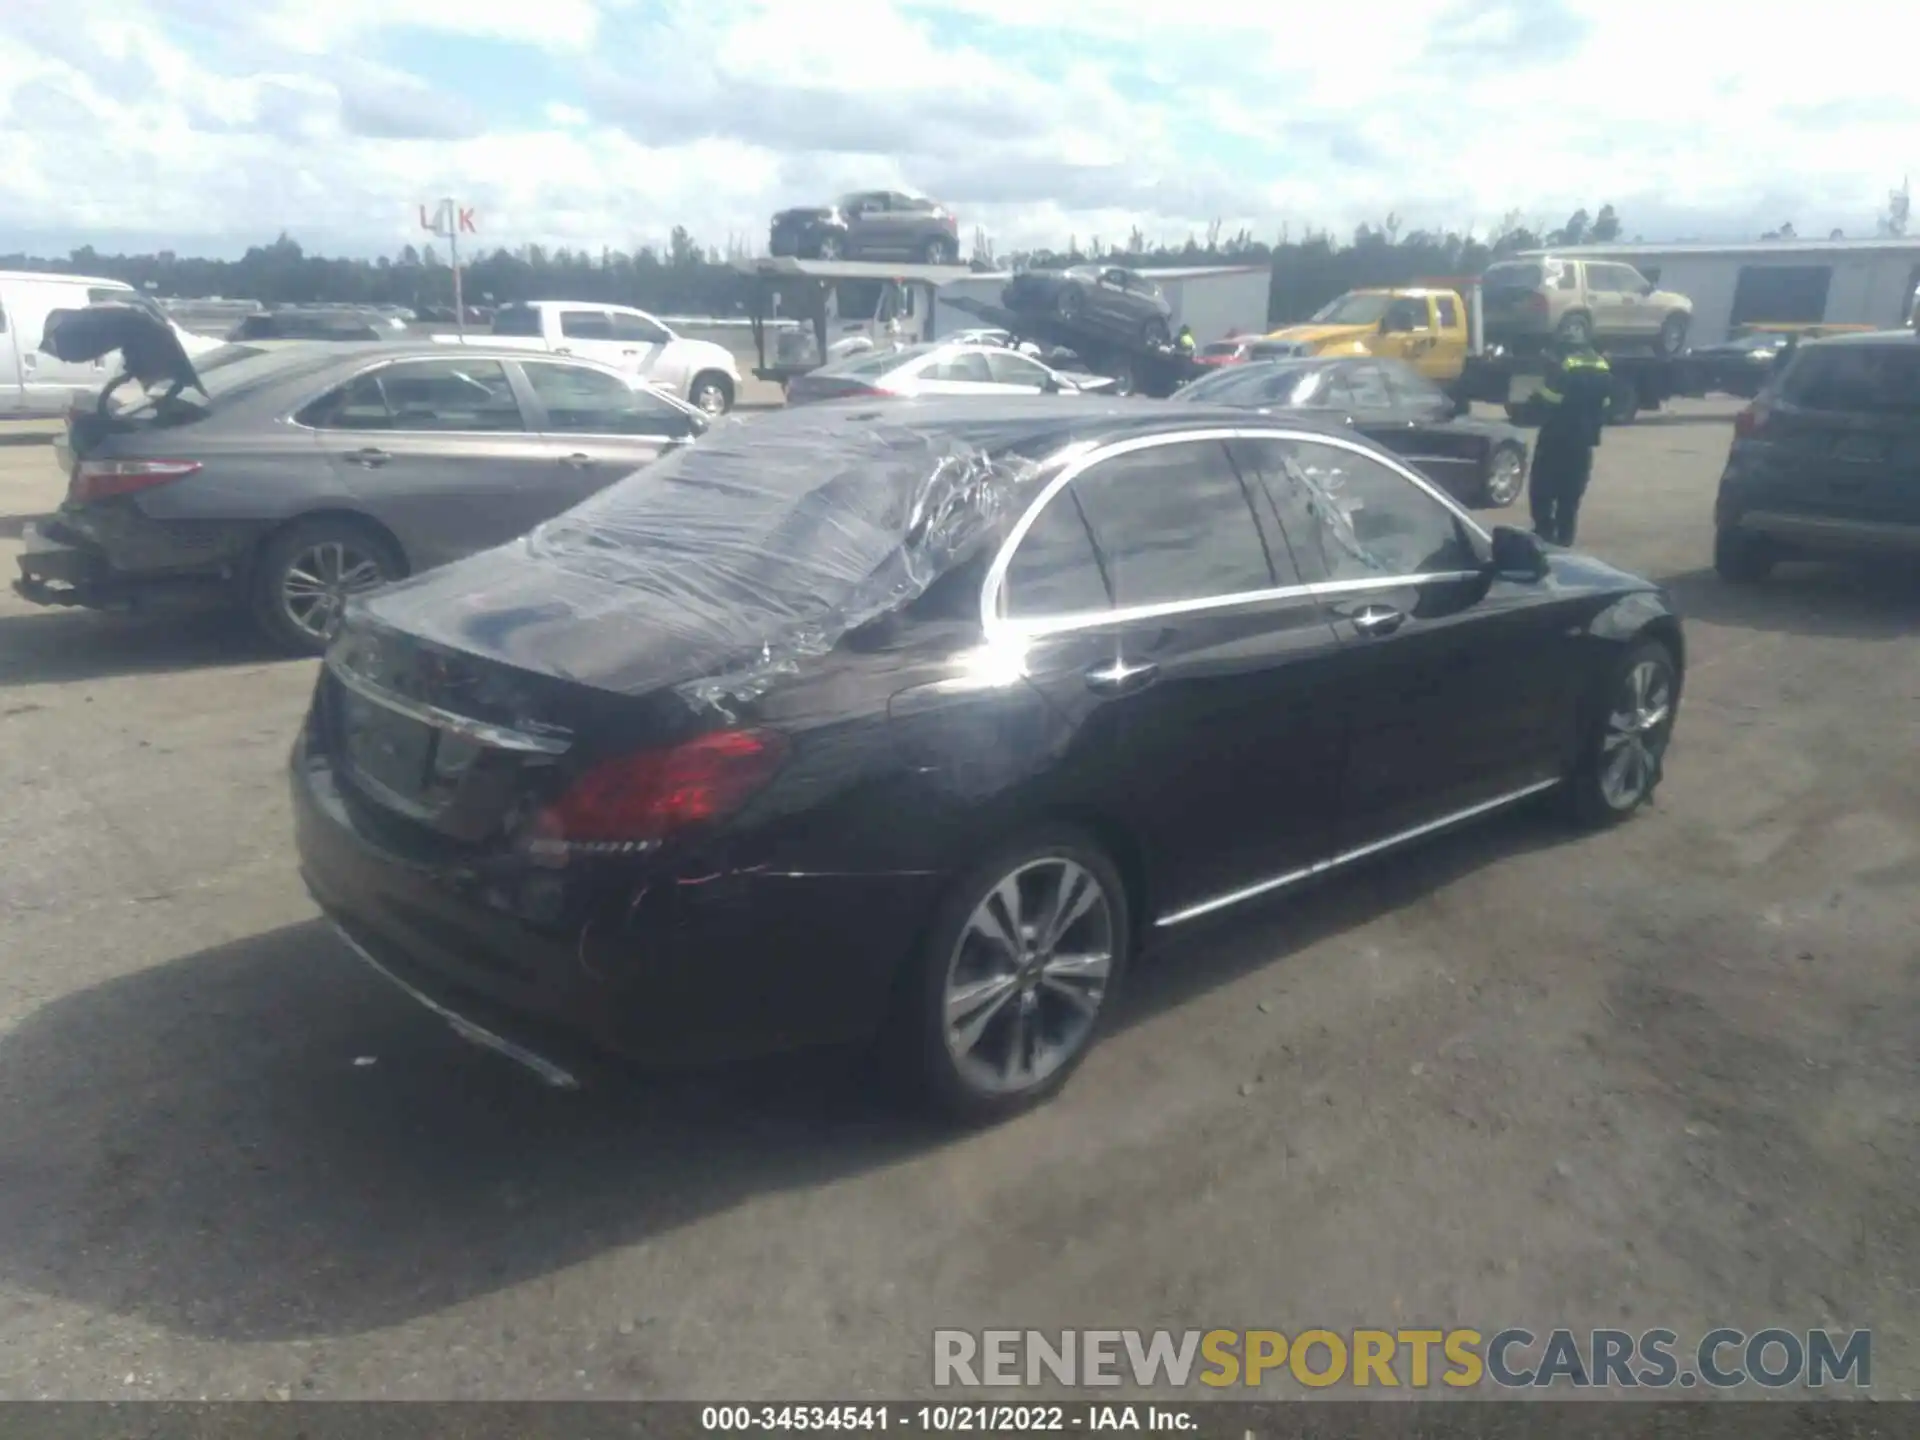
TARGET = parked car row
x,y
286,479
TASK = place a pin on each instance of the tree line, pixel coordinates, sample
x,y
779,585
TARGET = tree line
x,y
685,277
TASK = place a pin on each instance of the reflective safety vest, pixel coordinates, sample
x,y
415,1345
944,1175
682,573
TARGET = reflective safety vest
x,y
1578,395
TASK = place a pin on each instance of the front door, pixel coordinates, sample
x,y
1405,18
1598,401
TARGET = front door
x,y
1202,676
589,334
1455,688
440,452
602,426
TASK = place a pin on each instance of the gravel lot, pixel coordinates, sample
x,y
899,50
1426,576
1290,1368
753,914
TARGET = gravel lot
x,y
1662,1076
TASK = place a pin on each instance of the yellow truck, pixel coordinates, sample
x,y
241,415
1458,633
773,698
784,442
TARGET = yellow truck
x,y
1427,328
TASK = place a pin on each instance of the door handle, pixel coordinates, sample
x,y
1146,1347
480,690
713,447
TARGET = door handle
x,y
629,353
563,349
577,461
1116,677
1377,619
371,457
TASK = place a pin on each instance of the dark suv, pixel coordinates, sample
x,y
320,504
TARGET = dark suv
x,y
870,225
1826,461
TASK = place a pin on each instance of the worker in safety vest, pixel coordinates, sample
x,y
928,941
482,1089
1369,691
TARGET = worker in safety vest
x,y
1185,341
1572,408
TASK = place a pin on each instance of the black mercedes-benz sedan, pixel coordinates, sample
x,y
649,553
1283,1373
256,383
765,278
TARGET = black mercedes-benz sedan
x,y
1479,462
914,722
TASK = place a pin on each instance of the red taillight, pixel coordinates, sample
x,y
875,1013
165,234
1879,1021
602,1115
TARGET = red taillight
x,y
97,479
639,800
1750,422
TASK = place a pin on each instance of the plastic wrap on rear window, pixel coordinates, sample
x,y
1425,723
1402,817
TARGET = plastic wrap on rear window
x,y
717,569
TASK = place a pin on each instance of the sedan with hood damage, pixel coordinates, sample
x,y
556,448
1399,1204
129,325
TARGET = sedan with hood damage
x,y
285,478
911,723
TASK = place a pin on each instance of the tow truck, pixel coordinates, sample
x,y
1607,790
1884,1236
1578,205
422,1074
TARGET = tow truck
x,y
839,307
1135,368
1643,379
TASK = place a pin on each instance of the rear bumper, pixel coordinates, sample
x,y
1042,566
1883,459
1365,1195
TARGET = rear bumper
x,y
61,567
1830,533
664,969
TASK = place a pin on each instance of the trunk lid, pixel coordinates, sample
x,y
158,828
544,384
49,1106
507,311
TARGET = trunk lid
x,y
150,348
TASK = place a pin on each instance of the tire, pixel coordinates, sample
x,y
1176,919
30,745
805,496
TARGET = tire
x,y
1067,302
1154,332
1575,328
1506,476
831,247
1741,557
1623,753
939,251
711,393
325,548
1673,333
963,1057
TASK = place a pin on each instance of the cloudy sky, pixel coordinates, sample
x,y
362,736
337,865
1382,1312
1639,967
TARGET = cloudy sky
x,y
207,125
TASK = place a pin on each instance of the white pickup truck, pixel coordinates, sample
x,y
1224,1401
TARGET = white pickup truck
x,y
698,371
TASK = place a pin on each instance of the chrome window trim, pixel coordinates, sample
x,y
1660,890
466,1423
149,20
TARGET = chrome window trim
x,y
993,589
389,362
498,737
1347,857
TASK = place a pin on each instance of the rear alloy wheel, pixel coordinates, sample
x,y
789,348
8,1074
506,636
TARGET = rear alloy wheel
x,y
1154,332
1019,971
307,574
939,252
1627,748
1741,557
830,247
1067,303
1506,477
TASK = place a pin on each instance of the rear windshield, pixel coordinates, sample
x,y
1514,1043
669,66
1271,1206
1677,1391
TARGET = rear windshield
x,y
229,373
520,320
1528,276
1860,379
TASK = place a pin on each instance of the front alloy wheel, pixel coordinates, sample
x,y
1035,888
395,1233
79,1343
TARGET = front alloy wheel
x,y
1506,476
1626,759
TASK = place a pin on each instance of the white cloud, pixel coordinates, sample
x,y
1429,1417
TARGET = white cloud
x,y
220,122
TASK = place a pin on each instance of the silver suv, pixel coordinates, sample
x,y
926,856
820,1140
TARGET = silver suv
x,y
1537,297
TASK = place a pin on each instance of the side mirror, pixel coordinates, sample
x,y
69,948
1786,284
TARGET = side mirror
x,y
1519,552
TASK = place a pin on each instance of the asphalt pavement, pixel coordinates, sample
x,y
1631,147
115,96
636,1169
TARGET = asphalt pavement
x,y
1664,1075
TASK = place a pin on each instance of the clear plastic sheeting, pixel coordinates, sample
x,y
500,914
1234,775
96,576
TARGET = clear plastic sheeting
x,y
718,568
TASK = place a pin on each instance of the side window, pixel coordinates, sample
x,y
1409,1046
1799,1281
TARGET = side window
x,y
969,366
423,395
585,325
1055,571
1347,516
637,328
1369,388
1119,278
1008,368
579,401
1173,522
1449,312
1568,277
99,295
1406,315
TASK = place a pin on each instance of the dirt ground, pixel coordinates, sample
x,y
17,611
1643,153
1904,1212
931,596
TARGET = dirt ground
x,y
1661,1076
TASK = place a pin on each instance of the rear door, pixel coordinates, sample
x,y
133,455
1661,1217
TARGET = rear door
x,y
588,333
441,452
1607,300
601,426
963,372
1842,438
1016,374
1457,690
642,341
1203,676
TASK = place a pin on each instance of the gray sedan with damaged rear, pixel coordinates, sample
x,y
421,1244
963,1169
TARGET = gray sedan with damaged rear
x,y
287,479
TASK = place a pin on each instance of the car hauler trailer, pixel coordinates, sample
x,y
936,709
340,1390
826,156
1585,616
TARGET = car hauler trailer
x,y
1643,379
1135,368
839,307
